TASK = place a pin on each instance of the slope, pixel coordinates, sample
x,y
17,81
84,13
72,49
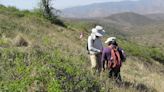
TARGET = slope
x,y
141,59
48,63
130,18
156,16
54,59
135,27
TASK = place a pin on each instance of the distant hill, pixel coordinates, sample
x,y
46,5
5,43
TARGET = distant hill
x,y
130,18
108,8
158,16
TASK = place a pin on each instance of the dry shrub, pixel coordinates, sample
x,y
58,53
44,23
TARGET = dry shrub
x,y
20,41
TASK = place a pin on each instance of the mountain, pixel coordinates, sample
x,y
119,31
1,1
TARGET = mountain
x,y
130,18
156,16
108,8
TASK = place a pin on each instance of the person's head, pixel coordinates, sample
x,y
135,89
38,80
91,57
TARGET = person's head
x,y
100,29
114,44
111,41
98,32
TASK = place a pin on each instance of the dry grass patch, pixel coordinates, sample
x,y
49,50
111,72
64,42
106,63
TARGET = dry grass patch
x,y
21,41
136,71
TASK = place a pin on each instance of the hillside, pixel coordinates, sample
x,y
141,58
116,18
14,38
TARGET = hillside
x,y
130,18
108,8
39,56
143,29
158,16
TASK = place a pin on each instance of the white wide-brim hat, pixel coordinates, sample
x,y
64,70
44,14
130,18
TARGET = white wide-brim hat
x,y
110,39
100,28
97,32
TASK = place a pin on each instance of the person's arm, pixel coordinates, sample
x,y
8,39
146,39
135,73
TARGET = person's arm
x,y
109,58
123,53
90,45
103,60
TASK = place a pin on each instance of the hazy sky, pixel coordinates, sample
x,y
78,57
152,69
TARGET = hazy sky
x,y
59,4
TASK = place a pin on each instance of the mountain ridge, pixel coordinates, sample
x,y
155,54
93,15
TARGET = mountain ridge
x,y
108,8
158,16
131,18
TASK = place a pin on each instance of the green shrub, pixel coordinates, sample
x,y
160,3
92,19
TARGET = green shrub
x,y
157,55
141,51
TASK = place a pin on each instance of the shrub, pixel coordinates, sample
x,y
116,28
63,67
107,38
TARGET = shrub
x,y
20,41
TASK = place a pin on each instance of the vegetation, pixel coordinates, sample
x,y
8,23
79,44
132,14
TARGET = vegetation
x,y
41,65
37,55
147,53
49,12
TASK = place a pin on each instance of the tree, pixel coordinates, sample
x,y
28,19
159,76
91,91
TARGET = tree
x,y
50,13
47,8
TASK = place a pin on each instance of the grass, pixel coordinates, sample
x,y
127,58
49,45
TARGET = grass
x,y
143,72
39,70
45,65
139,51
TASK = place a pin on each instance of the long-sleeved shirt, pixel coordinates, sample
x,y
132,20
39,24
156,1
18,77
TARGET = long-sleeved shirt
x,y
106,56
94,44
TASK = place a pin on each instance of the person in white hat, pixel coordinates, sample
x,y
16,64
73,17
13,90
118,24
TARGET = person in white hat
x,y
95,48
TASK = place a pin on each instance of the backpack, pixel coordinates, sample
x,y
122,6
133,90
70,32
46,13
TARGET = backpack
x,y
122,54
87,45
116,61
